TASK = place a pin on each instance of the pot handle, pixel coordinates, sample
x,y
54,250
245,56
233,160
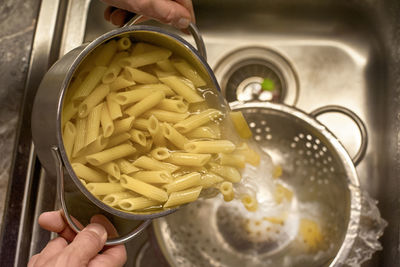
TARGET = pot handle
x,y
198,39
61,194
357,158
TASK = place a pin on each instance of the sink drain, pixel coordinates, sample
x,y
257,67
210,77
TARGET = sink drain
x,y
257,74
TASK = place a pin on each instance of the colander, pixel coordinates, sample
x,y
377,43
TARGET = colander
x,y
325,187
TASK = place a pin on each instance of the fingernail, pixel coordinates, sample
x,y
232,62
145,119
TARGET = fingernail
x,y
183,23
98,230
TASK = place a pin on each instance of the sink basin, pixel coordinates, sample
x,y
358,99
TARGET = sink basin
x,y
314,52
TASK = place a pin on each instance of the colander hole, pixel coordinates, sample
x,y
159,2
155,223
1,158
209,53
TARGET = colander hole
x,y
258,130
315,147
309,137
329,158
325,161
252,124
316,155
321,153
318,164
267,129
312,178
308,144
324,149
312,160
257,138
332,169
296,139
301,135
308,153
263,122
293,145
325,170
326,181
319,182
268,137
301,152
317,141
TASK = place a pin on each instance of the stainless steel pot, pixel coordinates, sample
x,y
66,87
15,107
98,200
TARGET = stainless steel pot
x,y
46,124
318,169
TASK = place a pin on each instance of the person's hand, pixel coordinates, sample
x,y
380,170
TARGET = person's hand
x,y
178,13
76,250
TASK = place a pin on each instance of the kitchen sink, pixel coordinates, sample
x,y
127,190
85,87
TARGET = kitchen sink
x,y
316,52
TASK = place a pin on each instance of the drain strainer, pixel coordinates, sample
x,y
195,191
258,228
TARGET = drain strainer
x,y
257,74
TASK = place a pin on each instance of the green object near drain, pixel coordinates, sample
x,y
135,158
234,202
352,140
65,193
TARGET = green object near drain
x,y
268,85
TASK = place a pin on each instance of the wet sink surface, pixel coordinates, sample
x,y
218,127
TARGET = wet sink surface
x,y
325,53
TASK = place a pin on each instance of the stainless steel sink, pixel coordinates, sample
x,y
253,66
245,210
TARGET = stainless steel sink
x,y
318,52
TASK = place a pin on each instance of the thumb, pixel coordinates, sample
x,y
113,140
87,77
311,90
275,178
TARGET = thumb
x,y
86,245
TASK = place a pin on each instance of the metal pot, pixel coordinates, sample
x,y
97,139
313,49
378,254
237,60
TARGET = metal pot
x,y
46,124
314,164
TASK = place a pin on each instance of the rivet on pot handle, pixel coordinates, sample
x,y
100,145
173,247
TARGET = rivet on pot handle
x,y
67,216
192,29
360,124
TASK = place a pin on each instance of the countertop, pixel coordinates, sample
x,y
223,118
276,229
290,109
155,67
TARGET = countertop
x,y
17,24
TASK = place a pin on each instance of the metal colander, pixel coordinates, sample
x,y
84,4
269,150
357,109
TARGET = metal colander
x,y
325,189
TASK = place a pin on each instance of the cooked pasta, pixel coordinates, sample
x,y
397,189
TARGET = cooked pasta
x,y
141,136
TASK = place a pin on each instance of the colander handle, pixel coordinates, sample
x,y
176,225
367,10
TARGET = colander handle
x,y
357,158
67,216
198,39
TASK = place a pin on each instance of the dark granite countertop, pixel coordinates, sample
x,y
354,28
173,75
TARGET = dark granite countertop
x,y
17,24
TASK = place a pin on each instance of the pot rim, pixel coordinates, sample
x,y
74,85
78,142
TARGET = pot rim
x,y
74,66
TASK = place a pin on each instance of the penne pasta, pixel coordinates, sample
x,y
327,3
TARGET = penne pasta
x,y
111,168
137,203
106,122
114,69
142,47
106,53
250,155
183,182
189,72
154,165
160,153
89,83
153,177
214,146
80,136
166,65
69,111
88,174
110,154
166,116
98,145
174,136
132,96
69,137
226,190
181,88
183,197
121,82
138,137
100,189
93,124
145,104
210,179
174,105
188,159
249,202
124,43
126,167
227,172
93,100
138,76
145,189
234,160
203,132
124,125
155,131
140,124
241,126
114,108
113,198
156,87
197,120
151,57
118,139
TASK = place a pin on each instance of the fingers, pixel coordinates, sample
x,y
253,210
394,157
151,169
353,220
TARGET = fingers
x,y
86,245
101,219
53,248
189,6
54,221
119,17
